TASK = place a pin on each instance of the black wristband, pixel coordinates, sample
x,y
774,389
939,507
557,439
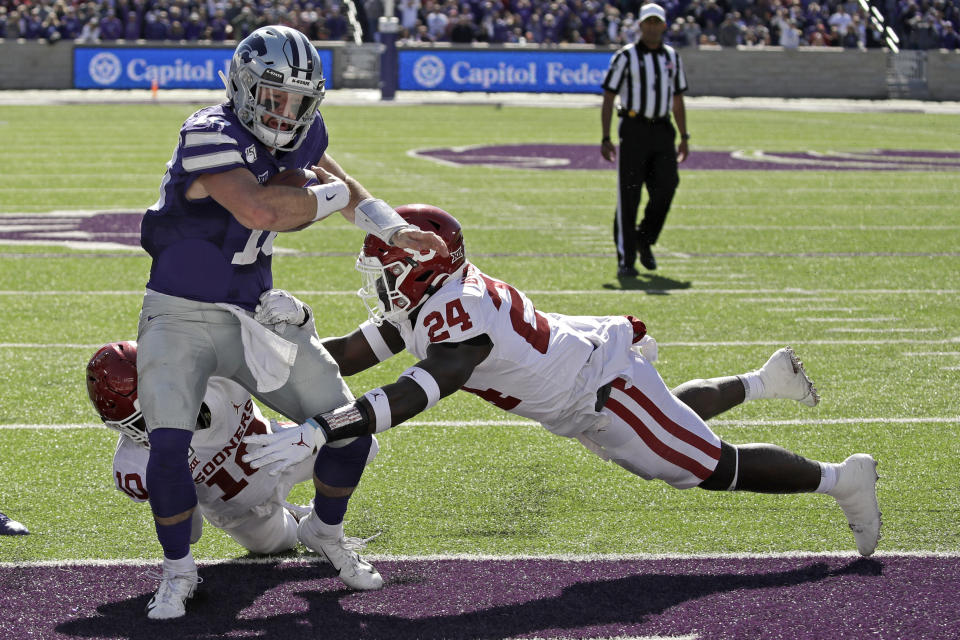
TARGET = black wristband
x,y
685,136
605,139
306,315
349,421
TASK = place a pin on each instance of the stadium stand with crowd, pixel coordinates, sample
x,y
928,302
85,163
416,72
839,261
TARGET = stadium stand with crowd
x,y
919,24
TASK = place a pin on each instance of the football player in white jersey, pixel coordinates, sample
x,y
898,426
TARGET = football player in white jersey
x,y
247,503
591,378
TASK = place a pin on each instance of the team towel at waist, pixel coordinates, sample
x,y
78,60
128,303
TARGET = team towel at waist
x,y
268,356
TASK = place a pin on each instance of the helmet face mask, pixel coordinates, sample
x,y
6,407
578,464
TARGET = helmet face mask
x,y
381,292
134,426
397,281
275,85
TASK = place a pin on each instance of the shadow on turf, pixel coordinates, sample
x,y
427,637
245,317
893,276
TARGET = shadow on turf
x,y
651,283
251,600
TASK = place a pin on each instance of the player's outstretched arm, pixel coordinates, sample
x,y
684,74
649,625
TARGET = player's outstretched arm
x,y
364,348
377,217
445,369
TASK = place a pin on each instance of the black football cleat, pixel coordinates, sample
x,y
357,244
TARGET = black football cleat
x,y
10,527
646,257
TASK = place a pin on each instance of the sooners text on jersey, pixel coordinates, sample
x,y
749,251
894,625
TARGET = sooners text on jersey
x,y
226,486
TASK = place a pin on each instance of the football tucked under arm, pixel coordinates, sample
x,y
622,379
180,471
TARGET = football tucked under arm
x,y
300,178
331,195
294,178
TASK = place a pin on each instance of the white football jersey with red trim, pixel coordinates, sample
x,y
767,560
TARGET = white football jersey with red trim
x,y
547,367
227,488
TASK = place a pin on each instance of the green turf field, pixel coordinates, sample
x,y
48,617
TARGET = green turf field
x,y
858,271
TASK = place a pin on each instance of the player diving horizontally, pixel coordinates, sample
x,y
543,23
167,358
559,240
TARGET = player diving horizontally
x,y
248,504
579,376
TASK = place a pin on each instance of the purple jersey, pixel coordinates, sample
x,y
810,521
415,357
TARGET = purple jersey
x,y
199,250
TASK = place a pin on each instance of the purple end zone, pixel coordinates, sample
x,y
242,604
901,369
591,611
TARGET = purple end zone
x,y
570,156
722,598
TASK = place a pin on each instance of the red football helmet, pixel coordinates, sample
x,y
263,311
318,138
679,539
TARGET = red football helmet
x,y
112,387
396,281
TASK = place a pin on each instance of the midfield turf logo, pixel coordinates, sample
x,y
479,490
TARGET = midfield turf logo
x,y
74,229
587,157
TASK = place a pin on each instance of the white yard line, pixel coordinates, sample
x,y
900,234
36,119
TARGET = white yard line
x,y
698,344
813,294
881,330
531,423
801,307
914,354
880,319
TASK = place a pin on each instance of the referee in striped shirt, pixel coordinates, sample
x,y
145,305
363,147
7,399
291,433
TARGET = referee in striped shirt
x,y
649,80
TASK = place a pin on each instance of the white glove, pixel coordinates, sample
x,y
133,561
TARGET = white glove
x,y
647,347
285,448
279,308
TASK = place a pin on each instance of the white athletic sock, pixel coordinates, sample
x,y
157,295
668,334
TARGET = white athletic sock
x,y
324,530
182,565
752,385
828,477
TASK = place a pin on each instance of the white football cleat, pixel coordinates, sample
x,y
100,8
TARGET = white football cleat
x,y
170,600
856,493
783,376
341,552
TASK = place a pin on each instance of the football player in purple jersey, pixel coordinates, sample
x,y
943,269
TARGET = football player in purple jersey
x,y
210,236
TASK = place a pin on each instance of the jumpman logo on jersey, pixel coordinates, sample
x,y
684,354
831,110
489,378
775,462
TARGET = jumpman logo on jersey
x,y
236,407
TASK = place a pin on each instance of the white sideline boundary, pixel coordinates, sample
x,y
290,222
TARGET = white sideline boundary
x,y
372,97
588,557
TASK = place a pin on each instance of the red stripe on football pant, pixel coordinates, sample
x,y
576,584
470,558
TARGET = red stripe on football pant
x,y
655,444
668,425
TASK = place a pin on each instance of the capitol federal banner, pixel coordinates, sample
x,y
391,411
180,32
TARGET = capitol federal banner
x,y
171,67
546,70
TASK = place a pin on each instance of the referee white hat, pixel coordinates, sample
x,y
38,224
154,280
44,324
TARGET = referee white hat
x,y
652,11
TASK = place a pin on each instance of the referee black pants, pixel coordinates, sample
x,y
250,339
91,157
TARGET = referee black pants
x,y
648,155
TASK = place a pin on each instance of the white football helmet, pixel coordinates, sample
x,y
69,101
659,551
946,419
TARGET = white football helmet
x,y
275,85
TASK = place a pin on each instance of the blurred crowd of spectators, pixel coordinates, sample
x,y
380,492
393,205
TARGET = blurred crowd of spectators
x,y
919,24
